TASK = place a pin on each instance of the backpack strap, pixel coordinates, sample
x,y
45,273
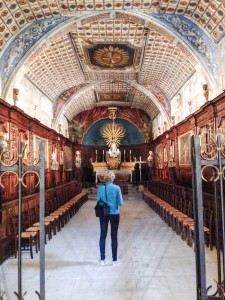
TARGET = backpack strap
x,y
105,193
105,197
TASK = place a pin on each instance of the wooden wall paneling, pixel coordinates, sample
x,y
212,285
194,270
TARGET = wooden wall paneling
x,y
220,108
4,111
19,118
206,113
207,119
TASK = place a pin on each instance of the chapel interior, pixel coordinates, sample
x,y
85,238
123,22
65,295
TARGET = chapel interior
x,y
133,86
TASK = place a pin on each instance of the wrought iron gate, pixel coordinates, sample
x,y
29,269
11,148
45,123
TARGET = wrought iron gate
x,y
16,165
208,163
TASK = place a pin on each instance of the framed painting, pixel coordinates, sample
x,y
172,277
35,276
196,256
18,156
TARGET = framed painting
x,y
184,146
37,141
68,159
159,156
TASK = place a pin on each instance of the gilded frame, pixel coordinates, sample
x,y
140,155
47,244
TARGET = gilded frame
x,y
37,141
159,156
184,149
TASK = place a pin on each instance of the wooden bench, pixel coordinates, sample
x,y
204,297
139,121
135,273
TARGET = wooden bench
x,y
53,221
180,222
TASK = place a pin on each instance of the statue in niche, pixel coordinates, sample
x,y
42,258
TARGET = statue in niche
x,y
15,95
206,91
150,158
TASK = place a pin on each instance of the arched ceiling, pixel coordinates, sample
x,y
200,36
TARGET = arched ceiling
x,y
83,54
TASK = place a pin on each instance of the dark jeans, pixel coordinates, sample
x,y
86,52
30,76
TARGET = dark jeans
x,y
114,222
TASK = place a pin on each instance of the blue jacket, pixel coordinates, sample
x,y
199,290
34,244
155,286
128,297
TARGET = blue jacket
x,y
114,196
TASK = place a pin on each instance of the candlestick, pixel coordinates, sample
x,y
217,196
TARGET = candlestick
x,y
140,158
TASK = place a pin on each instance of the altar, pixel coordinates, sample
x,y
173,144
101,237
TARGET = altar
x,y
113,133
123,173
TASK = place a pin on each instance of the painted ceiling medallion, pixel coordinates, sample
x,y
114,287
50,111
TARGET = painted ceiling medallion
x,y
111,56
112,96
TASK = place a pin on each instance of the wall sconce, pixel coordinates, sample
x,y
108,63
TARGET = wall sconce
x,y
78,159
55,165
171,162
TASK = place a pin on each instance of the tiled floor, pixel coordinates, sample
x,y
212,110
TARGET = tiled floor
x,y
157,264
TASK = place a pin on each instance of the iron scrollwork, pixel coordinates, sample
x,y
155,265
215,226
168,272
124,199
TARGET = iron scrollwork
x,y
20,297
9,158
14,162
219,294
2,295
213,170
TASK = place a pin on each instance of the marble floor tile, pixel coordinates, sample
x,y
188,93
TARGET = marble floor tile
x,y
156,263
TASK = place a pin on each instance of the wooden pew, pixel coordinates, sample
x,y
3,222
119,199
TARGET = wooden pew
x,y
178,220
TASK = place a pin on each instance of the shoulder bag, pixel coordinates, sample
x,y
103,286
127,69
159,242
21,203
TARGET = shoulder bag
x,y
102,208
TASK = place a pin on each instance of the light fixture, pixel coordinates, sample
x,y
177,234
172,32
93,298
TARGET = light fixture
x,y
112,133
55,164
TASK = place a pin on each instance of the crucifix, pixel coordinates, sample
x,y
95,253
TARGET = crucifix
x,y
140,162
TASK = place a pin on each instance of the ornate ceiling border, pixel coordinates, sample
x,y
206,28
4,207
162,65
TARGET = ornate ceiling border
x,y
23,42
63,98
195,37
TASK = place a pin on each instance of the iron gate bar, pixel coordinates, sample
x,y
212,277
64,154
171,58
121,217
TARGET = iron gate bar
x,y
218,173
15,168
214,162
42,222
222,203
20,168
217,234
198,219
19,220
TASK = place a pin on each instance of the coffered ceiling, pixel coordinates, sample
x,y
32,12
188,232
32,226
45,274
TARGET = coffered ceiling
x,y
86,54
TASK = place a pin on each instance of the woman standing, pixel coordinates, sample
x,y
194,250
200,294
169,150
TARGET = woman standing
x,y
111,194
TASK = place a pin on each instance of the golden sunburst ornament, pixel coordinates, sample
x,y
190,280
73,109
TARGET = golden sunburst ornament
x,y
112,133
111,57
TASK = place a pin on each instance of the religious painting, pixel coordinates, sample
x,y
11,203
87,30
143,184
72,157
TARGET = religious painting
x,y
112,56
165,157
159,156
184,146
37,142
68,159
112,96
61,158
